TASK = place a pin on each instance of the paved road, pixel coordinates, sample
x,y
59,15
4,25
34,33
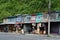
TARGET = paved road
x,y
7,36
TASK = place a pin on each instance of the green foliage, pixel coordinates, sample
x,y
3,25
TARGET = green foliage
x,y
13,7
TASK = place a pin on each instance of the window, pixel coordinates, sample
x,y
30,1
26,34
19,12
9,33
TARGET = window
x,y
58,15
12,20
45,16
53,16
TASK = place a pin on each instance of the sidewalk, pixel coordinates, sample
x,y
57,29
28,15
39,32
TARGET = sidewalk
x,y
51,35
55,35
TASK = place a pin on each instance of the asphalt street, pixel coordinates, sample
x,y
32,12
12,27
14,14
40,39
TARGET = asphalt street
x,y
9,36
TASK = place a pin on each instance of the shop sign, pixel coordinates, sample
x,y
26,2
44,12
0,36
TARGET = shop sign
x,y
58,16
27,19
33,18
39,18
19,19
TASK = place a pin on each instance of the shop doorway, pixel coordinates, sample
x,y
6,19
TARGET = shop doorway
x,y
54,28
42,27
27,28
1,28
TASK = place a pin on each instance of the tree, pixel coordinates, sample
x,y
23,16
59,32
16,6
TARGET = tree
x,y
13,7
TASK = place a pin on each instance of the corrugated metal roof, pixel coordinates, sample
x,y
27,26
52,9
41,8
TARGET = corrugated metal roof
x,y
6,23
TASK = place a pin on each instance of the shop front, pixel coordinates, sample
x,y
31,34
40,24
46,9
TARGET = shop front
x,y
9,27
55,28
27,25
34,25
55,23
41,23
1,28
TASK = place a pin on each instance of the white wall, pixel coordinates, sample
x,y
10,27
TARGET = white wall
x,y
5,20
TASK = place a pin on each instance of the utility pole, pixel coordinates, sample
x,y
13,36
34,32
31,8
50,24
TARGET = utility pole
x,y
49,11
